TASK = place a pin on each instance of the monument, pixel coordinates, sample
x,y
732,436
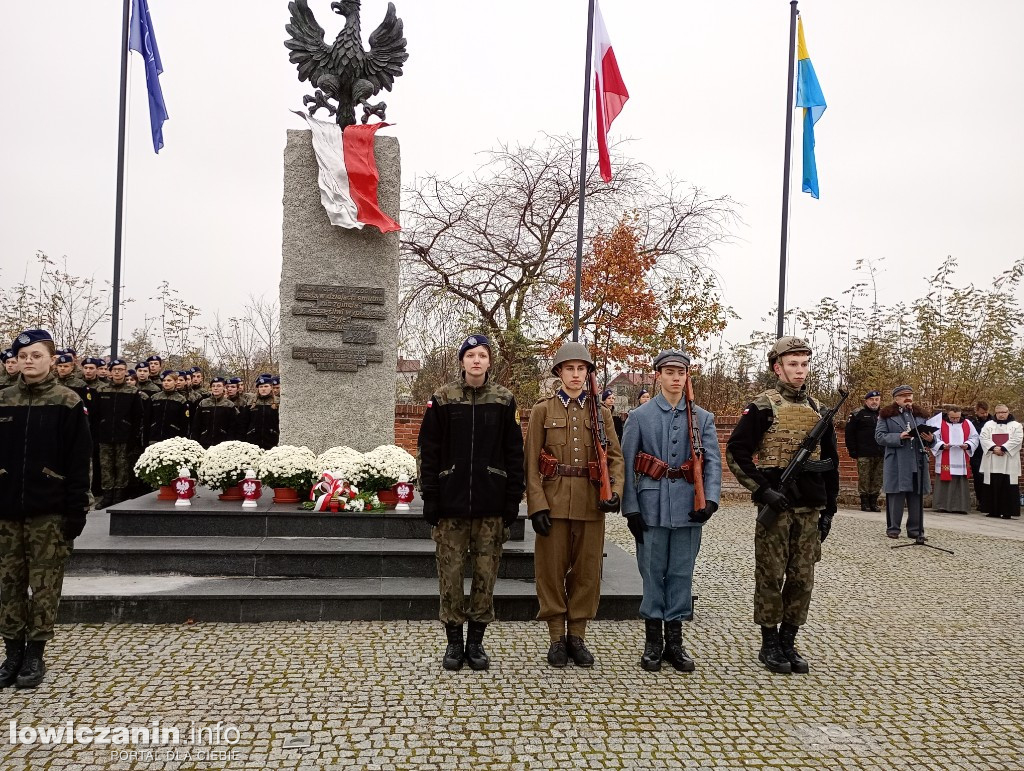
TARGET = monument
x,y
339,276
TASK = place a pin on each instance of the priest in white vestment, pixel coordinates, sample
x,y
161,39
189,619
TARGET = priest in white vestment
x,y
956,440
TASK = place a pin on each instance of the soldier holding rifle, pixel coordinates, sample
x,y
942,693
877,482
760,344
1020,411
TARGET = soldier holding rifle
x,y
673,485
797,509
574,476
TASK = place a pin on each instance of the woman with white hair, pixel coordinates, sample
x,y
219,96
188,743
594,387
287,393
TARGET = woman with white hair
x,y
1001,440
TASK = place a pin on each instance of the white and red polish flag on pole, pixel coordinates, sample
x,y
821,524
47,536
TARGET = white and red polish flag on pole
x,y
610,92
348,174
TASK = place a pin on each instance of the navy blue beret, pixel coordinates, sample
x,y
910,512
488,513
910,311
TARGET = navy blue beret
x,y
168,373
118,363
217,380
871,394
264,380
30,337
472,342
183,373
92,360
606,393
154,357
141,365
275,380
72,351
235,381
65,358
5,355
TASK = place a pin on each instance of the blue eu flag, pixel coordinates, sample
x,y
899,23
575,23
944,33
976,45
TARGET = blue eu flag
x,y
142,38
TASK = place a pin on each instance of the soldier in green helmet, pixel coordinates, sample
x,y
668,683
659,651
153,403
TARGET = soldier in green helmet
x,y
767,436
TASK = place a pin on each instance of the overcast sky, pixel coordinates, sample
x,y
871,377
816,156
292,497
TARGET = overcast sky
x,y
919,152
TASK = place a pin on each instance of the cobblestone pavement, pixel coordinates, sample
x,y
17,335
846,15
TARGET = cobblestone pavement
x,y
916,664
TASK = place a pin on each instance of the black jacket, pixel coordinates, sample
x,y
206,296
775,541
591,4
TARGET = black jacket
x,y
117,414
262,423
470,453
860,434
215,421
167,418
45,451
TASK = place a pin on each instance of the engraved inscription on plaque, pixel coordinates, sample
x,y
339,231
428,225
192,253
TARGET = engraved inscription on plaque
x,y
344,310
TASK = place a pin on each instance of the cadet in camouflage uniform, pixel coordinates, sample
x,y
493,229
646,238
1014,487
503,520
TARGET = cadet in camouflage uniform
x,y
262,418
169,411
155,364
470,457
9,375
117,423
772,427
565,509
215,418
45,454
146,384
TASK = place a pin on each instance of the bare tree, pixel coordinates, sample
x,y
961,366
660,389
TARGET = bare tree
x,y
247,345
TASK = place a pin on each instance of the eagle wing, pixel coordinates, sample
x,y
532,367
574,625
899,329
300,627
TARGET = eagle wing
x,y
307,46
387,52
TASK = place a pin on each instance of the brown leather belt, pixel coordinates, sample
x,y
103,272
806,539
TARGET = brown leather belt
x,y
678,472
571,471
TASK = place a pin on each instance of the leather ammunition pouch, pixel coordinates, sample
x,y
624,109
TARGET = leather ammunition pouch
x,y
656,468
551,468
548,465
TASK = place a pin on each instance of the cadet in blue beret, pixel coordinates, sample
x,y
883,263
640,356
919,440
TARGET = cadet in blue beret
x,y
43,503
275,382
118,419
215,418
10,371
169,411
262,419
862,447
155,363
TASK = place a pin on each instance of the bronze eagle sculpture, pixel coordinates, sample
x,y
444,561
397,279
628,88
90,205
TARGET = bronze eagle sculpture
x,y
343,72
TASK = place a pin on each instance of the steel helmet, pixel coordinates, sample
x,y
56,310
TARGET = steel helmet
x,y
572,352
788,344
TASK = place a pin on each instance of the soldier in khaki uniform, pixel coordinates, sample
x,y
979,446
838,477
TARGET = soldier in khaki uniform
x,y
564,506
772,428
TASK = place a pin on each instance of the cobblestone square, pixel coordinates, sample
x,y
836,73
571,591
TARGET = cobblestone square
x,y
916,663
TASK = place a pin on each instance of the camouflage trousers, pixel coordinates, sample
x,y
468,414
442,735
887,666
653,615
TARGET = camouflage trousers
x,y
784,557
115,466
869,475
480,540
33,554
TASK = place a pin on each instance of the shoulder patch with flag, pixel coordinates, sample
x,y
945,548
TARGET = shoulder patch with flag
x,y
348,174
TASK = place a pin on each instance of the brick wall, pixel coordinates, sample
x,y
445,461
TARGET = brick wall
x,y
408,418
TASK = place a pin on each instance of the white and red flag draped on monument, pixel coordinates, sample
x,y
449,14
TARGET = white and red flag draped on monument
x,y
348,174
610,92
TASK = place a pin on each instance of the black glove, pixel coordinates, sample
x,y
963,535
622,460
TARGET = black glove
x,y
541,522
824,525
431,512
772,498
74,524
636,526
703,515
511,514
611,505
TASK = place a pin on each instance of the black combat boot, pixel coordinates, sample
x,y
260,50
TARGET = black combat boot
x,y
32,668
865,503
654,647
475,653
771,654
675,653
558,656
455,653
787,636
578,652
106,501
873,502
12,664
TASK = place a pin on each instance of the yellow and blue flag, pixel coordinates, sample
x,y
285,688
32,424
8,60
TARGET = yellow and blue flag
x,y
812,100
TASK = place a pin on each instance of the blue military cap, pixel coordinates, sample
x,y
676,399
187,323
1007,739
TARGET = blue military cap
x,y
141,365
235,381
472,342
642,392
154,357
183,373
118,363
217,380
168,372
264,380
195,370
6,354
673,357
92,360
275,380
29,337
65,358
872,394
605,394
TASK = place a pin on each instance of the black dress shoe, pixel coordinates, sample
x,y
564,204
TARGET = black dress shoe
x,y
578,652
558,656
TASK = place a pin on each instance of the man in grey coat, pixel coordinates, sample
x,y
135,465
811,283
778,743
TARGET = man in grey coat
x,y
905,467
658,503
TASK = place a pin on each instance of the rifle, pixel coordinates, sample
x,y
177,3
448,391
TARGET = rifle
x,y
600,440
699,502
766,515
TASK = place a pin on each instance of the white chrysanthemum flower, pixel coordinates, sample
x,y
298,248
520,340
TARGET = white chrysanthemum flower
x,y
225,464
289,466
159,463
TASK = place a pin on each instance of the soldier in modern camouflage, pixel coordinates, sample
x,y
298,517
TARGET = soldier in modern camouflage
x,y
146,383
772,428
215,419
45,451
118,418
262,417
470,471
169,411
9,374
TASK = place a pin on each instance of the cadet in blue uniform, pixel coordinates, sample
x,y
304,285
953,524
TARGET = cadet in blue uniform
x,y
658,503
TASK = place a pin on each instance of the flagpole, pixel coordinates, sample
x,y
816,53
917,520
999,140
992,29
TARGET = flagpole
x,y
781,313
583,172
119,198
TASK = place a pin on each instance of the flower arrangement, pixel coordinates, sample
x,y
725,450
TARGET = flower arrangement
x,y
332,493
225,464
159,463
289,466
381,468
339,461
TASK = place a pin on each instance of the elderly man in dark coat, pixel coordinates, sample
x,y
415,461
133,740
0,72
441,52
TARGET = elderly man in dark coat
x,y
906,463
